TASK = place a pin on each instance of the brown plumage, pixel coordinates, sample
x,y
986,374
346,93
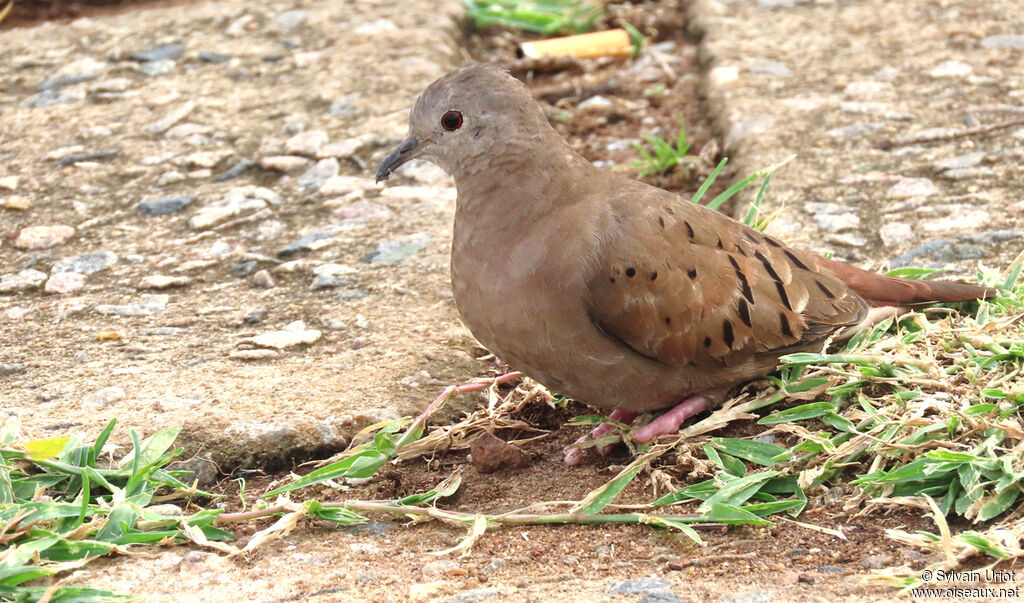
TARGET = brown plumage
x,y
616,293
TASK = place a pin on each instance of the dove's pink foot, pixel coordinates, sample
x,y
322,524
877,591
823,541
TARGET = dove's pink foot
x,y
671,420
575,455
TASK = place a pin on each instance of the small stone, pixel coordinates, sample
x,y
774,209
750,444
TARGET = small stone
x,y
306,143
284,163
157,68
968,173
332,275
895,233
862,108
291,19
17,203
315,177
163,52
102,398
398,250
867,89
161,281
188,130
87,263
837,222
254,354
206,159
64,282
361,212
661,597
293,334
311,241
25,280
908,188
11,369
244,268
959,251
638,586
876,562
491,453
43,237
376,27
950,69
263,280
596,103
151,304
163,207
1016,208
961,218
754,596
1008,41
344,106
345,148
209,56
967,160
236,170
234,204
342,185
255,317
720,76
774,68
436,569
422,591
9,183
854,130
170,177
172,117
475,595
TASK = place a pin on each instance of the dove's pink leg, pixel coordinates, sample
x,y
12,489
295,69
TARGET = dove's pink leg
x,y
671,420
575,455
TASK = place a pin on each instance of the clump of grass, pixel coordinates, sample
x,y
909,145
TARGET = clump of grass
x,y
663,155
63,504
539,16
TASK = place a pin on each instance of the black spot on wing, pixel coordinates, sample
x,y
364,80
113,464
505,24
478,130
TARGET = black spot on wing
x,y
784,325
796,261
744,312
727,335
783,296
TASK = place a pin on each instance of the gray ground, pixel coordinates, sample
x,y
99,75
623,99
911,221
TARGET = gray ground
x,y
88,132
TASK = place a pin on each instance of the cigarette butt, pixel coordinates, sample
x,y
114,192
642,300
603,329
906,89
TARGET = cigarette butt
x,y
611,43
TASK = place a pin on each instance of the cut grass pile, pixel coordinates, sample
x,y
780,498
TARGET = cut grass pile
x,y
539,16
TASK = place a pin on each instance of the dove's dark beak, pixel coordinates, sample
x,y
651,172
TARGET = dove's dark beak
x,y
409,149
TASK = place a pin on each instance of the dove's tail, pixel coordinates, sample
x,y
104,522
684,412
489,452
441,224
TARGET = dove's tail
x,y
881,290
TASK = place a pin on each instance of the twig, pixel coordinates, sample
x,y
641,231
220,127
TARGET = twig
x,y
885,145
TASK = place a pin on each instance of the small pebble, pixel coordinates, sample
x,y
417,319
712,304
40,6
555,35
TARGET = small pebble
x,y
306,143
263,280
162,207
284,163
161,281
908,188
63,283
43,237
26,280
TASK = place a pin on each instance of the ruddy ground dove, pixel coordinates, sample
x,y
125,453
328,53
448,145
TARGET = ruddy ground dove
x,y
621,295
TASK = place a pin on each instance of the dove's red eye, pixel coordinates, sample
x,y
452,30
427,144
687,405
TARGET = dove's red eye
x,y
451,121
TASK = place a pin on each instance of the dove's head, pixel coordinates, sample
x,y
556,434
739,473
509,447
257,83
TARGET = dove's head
x,y
467,115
